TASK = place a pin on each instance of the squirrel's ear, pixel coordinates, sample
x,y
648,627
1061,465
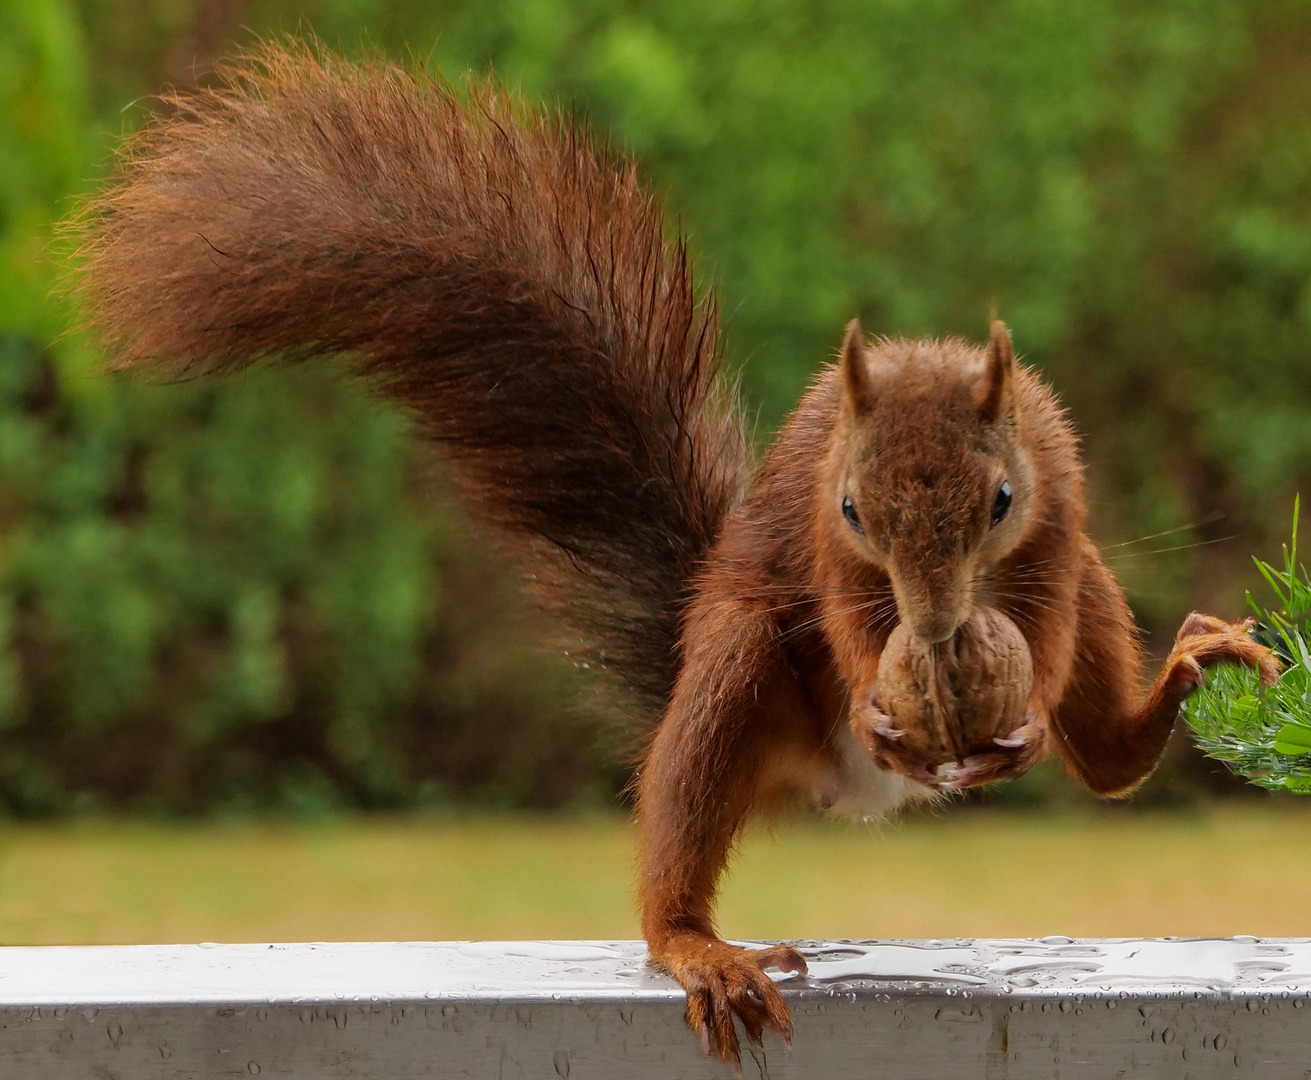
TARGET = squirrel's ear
x,y
856,388
995,394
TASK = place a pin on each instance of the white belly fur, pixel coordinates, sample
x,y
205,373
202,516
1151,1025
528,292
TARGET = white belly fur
x,y
860,789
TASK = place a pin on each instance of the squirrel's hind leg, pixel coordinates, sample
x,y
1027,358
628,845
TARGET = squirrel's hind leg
x,y
1108,732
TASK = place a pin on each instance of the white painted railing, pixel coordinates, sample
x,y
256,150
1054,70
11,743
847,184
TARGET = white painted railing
x,y
910,1010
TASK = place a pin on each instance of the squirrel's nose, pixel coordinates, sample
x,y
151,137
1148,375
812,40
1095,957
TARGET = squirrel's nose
x,y
934,627
933,605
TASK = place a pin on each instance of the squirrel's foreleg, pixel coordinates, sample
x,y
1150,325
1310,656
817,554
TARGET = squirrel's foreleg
x,y
709,763
1108,732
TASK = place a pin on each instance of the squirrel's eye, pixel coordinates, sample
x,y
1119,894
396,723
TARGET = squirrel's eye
x,y
849,512
1001,504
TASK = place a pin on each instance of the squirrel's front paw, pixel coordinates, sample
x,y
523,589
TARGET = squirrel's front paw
x,y
1203,640
887,745
1015,754
725,981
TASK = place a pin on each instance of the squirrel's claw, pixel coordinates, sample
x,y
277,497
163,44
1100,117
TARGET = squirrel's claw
x,y
875,732
1017,753
977,769
726,983
886,754
783,957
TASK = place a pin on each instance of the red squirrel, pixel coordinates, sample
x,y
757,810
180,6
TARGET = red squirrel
x,y
514,289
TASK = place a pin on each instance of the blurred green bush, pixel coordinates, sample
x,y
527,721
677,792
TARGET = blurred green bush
x,y
247,593
239,594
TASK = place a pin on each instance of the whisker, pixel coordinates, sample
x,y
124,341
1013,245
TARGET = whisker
x,y
814,592
808,623
1008,588
1211,519
1021,594
879,595
1031,601
811,587
1166,550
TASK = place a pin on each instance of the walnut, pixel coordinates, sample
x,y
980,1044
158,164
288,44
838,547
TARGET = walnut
x,y
953,698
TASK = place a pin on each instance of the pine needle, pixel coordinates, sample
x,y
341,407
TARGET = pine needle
x,y
1265,735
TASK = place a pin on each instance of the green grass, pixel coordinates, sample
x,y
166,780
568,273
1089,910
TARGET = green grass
x,y
1227,870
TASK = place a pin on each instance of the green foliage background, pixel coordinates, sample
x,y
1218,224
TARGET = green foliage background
x,y
252,593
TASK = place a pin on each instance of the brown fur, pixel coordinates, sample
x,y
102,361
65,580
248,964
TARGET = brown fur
x,y
783,639
514,291
509,286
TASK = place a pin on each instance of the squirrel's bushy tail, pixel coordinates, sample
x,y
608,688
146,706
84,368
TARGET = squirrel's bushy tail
x,y
488,270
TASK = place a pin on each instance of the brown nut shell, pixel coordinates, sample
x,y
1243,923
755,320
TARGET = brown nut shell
x,y
953,698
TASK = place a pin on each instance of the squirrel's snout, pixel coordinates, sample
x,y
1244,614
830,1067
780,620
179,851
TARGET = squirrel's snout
x,y
934,627
935,622
934,602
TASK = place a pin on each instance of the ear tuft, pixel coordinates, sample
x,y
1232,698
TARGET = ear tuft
x,y
857,389
995,393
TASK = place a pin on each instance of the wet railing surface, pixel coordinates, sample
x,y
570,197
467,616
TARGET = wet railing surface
x,y
918,1010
